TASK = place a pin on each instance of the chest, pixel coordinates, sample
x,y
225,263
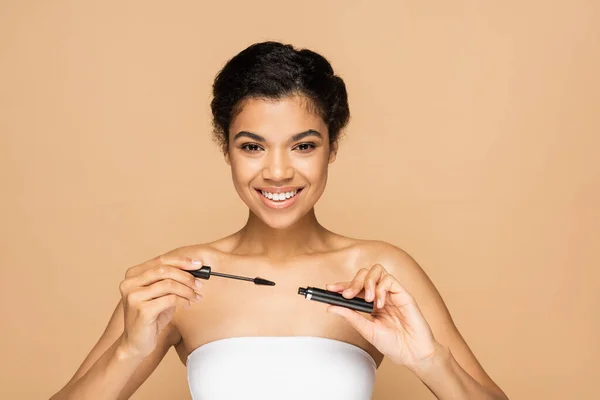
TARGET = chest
x,y
233,308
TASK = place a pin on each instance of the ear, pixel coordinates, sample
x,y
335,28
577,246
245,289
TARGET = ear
x,y
333,152
226,154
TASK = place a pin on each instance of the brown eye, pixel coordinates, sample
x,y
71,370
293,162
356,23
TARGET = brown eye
x,y
304,147
250,147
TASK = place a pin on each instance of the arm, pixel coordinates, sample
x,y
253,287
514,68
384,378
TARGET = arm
x,y
453,371
140,330
411,326
110,371
446,379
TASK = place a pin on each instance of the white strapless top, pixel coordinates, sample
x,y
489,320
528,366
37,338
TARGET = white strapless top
x,y
280,367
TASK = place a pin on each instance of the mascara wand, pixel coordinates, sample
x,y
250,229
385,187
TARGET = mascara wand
x,y
205,273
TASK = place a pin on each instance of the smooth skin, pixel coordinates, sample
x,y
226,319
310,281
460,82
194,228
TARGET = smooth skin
x,y
274,144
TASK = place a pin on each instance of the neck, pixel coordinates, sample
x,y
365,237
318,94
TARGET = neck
x,y
305,236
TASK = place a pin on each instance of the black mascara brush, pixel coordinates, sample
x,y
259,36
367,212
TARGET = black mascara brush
x,y
205,273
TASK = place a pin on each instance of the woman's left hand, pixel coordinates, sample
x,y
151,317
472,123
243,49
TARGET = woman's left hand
x,y
397,328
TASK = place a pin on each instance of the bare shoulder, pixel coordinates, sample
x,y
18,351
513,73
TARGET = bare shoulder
x,y
415,281
209,253
408,272
387,254
394,259
401,265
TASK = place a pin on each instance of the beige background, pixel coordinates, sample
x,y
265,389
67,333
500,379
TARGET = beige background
x,y
473,146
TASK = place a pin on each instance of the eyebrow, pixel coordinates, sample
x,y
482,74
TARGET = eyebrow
x,y
296,137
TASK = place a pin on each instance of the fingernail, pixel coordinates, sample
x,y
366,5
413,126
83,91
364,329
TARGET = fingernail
x,y
198,282
379,303
347,292
196,262
368,295
198,297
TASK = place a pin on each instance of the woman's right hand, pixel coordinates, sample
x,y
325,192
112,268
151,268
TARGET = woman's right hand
x,y
150,292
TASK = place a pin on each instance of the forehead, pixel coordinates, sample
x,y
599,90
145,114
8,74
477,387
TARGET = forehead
x,y
277,118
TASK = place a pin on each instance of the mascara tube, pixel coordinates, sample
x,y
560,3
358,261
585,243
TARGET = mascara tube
x,y
334,298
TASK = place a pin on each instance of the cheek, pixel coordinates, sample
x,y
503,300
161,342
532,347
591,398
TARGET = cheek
x,y
314,169
244,170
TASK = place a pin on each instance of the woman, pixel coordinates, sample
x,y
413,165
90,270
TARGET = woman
x,y
278,113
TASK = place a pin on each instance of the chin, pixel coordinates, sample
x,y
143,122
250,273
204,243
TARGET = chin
x,y
279,222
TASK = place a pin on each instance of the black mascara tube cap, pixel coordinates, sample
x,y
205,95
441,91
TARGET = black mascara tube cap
x,y
334,298
202,273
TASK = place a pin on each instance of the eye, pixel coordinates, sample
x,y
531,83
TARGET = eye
x,y
250,147
306,147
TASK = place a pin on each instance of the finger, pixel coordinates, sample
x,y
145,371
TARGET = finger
x,y
163,288
337,287
373,277
169,272
357,284
150,310
166,259
176,261
357,321
389,284
159,273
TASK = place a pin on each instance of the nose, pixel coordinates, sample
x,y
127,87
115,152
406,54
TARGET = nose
x,y
277,166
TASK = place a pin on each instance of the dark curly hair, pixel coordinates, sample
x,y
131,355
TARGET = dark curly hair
x,y
273,70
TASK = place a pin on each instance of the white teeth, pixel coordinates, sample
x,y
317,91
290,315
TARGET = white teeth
x,y
279,196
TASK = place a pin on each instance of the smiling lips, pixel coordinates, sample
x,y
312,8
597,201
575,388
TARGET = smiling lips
x,y
279,197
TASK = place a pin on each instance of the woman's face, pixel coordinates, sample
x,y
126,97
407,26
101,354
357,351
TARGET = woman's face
x,y
279,154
